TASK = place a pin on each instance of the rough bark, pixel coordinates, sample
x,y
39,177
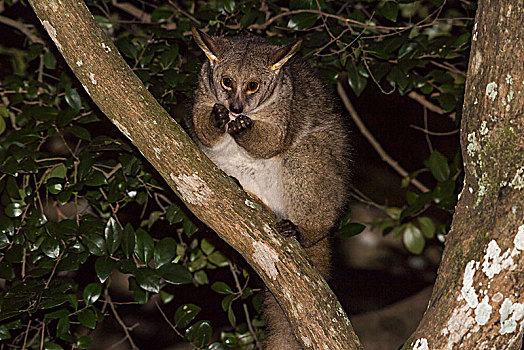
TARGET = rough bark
x,y
316,316
478,298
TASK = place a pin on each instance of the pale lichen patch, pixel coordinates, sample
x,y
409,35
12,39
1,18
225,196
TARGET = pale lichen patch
x,y
483,311
123,129
518,180
79,63
92,78
491,90
192,188
494,262
266,257
106,48
458,325
306,341
158,151
52,33
473,145
421,344
509,324
468,291
519,238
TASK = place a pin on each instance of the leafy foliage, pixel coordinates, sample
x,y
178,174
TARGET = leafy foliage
x,y
70,187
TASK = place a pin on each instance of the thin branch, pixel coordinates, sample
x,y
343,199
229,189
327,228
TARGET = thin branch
x,y
120,321
24,28
175,5
432,107
435,133
234,271
167,321
371,139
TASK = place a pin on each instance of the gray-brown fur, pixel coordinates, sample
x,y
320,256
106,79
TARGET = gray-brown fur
x,y
288,145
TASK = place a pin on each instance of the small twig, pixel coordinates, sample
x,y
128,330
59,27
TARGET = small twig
x,y
434,133
234,271
167,321
432,107
43,336
371,139
426,135
26,333
24,28
175,5
120,321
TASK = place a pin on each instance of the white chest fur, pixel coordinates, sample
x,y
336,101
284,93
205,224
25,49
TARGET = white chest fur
x,y
261,177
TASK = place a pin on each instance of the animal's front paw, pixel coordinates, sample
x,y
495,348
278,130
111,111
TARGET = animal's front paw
x,y
288,229
240,124
220,116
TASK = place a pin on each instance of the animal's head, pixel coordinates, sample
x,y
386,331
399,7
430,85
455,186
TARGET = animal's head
x,y
243,70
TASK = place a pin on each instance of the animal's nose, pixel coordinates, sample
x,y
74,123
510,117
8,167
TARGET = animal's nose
x,y
236,108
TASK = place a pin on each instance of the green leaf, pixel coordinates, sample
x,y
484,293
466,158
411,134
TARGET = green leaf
x,y
92,293
49,60
221,287
175,274
413,238
4,112
231,317
87,318
167,58
94,243
148,280
227,301
84,342
165,251
356,81
51,247
185,314
189,227
95,178
448,102
73,99
199,333
350,230
229,6
390,10
127,48
302,21
2,125
206,247
62,329
80,132
174,214
218,259
128,240
103,267
438,165
427,226
113,235
201,277
166,297
52,346
143,247
14,210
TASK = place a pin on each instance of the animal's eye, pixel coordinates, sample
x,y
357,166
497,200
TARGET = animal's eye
x,y
227,83
252,87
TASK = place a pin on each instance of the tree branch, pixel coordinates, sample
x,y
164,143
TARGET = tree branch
x,y
365,132
314,312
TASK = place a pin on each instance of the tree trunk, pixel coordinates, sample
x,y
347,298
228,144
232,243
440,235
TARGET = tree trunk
x,y
478,298
314,312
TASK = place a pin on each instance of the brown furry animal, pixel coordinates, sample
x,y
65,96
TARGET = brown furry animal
x,y
263,117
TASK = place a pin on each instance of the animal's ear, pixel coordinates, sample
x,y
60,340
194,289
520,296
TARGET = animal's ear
x,y
283,54
206,43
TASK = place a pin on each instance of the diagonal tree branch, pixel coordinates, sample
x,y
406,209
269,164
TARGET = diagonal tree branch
x,y
314,312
